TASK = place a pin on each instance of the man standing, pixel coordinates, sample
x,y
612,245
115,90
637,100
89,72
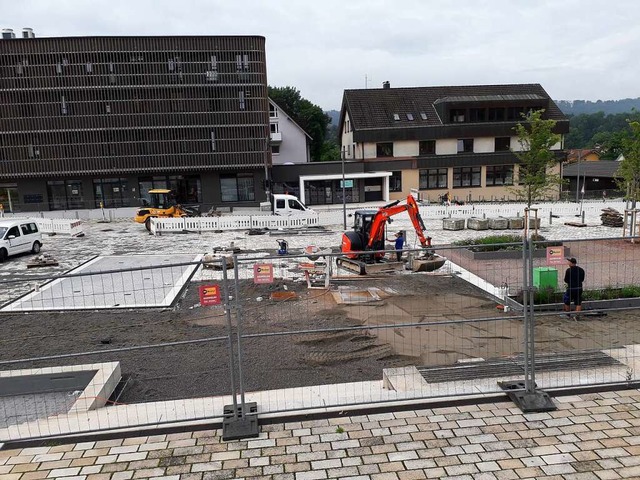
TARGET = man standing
x,y
399,244
573,278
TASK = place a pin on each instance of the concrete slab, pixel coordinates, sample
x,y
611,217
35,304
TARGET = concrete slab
x,y
157,287
42,394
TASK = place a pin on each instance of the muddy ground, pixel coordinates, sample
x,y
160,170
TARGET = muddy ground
x,y
279,349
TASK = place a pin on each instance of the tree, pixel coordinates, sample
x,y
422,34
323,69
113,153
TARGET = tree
x,y
629,170
309,116
536,137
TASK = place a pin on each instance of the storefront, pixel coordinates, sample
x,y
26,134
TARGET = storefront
x,y
9,197
358,188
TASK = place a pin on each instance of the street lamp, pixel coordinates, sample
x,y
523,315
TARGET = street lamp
x,y
344,198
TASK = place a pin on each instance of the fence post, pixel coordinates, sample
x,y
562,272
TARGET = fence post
x,y
526,394
242,422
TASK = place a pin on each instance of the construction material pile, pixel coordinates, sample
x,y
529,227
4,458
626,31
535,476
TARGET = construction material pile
x,y
611,217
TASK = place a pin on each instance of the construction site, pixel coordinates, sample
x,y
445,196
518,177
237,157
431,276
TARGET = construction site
x,y
287,317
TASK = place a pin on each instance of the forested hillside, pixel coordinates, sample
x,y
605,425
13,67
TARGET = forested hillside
x,y
578,107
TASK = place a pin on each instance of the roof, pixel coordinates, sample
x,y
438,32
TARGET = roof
x,y
600,168
374,108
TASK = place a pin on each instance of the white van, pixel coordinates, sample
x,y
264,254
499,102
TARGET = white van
x,y
18,236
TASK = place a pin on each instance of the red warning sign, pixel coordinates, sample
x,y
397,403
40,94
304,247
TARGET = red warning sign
x,y
263,273
209,295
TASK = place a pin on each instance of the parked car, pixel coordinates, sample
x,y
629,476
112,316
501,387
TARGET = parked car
x,y
18,236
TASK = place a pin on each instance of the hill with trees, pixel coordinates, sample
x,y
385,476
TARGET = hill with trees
x,y
608,107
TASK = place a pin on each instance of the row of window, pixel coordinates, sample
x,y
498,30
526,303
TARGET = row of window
x,y
115,192
435,178
489,114
428,147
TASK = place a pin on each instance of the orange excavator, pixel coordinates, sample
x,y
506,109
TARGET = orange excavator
x,y
362,247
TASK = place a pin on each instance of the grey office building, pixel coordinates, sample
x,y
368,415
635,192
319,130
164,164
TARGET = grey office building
x,y
90,120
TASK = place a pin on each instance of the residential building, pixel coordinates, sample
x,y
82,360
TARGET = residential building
x,y
90,121
434,140
582,155
290,144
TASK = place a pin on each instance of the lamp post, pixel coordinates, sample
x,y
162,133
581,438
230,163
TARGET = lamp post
x,y
344,198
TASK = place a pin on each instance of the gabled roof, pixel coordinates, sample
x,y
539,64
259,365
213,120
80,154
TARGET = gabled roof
x,y
375,108
289,117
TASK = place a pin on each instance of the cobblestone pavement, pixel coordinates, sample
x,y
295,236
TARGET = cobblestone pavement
x,y
590,436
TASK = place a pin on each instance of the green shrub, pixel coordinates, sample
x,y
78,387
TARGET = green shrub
x,y
493,243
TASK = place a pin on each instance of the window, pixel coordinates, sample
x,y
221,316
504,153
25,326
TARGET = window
x,y
427,147
433,178
502,144
395,182
500,175
237,188
409,116
423,115
384,149
496,114
275,149
515,113
456,115
273,113
295,205
13,231
274,127
466,177
478,115
213,141
465,145
396,117
63,105
241,98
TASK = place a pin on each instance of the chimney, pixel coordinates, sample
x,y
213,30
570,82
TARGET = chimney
x,y
7,33
27,32
386,84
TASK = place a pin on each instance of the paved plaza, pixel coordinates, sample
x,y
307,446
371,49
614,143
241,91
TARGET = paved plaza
x,y
590,436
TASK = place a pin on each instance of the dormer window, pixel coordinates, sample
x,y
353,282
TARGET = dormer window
x,y
423,115
396,117
409,116
456,115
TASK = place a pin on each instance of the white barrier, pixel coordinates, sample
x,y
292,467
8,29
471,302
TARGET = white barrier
x,y
231,222
335,217
58,226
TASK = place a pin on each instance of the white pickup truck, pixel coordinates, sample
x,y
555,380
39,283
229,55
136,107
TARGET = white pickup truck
x,y
285,205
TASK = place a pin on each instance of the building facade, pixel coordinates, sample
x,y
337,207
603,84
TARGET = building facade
x,y
289,142
437,140
86,121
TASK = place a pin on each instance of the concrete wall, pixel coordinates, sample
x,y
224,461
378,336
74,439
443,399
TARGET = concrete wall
x,y
484,145
447,146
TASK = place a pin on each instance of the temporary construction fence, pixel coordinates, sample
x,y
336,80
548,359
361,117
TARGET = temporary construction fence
x,y
230,222
253,335
335,216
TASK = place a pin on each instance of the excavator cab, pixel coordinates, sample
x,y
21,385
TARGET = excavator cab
x,y
358,239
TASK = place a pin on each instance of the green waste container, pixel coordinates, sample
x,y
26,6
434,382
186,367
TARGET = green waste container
x,y
545,277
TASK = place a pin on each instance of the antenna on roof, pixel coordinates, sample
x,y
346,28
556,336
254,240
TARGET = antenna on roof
x,y
366,81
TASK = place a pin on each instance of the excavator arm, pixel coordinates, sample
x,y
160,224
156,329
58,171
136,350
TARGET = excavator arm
x,y
382,217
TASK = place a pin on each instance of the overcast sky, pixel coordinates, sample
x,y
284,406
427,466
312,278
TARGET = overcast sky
x,y
577,49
